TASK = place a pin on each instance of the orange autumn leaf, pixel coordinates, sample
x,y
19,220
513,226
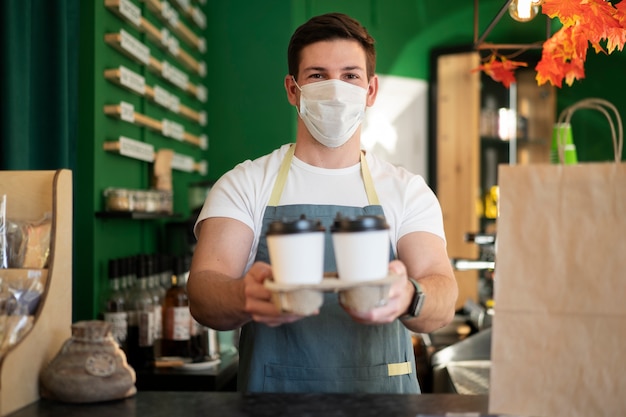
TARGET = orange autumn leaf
x,y
584,22
563,57
501,69
617,36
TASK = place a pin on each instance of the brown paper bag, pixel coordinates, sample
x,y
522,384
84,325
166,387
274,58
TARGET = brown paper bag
x,y
559,329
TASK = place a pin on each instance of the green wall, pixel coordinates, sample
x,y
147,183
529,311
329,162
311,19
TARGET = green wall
x,y
98,239
248,113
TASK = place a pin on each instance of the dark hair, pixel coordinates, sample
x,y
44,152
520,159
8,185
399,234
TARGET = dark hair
x,y
327,27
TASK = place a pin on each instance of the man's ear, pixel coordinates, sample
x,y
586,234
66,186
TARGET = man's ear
x,y
372,90
293,93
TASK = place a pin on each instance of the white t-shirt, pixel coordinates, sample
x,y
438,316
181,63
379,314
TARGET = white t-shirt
x,y
243,193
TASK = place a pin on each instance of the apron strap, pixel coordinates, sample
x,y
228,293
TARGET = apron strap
x,y
281,179
372,196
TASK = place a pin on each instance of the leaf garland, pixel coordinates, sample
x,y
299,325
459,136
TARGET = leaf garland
x,y
585,22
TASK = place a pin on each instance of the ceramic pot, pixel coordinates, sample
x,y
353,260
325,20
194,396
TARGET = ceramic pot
x,y
90,367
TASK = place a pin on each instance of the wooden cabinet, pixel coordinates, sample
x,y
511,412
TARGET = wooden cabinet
x,y
464,159
30,195
455,174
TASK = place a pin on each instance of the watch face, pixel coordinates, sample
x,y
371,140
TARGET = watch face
x,y
100,364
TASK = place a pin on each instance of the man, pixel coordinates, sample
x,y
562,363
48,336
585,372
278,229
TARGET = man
x,y
331,81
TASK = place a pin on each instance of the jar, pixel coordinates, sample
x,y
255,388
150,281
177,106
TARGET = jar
x,y
139,200
117,199
153,201
90,367
167,202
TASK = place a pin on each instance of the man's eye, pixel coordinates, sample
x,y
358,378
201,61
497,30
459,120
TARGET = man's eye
x,y
315,76
352,76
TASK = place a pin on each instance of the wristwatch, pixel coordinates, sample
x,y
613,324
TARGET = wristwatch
x,y
416,303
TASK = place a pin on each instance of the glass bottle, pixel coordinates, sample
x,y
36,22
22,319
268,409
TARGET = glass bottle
x,y
158,295
115,310
141,320
127,281
176,315
165,263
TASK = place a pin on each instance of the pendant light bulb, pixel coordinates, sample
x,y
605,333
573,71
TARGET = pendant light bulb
x,y
523,10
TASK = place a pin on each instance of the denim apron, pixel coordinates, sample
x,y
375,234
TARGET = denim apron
x,y
328,352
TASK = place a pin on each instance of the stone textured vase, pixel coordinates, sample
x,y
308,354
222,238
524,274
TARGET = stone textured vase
x,y
90,367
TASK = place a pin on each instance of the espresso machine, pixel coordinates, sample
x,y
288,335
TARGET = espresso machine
x,y
480,312
463,367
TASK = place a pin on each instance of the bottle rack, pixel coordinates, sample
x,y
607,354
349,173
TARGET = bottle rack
x,y
31,194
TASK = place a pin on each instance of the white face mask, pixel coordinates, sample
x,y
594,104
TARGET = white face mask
x,y
332,110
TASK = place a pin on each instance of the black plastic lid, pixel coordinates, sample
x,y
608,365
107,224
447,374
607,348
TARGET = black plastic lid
x,y
359,224
302,225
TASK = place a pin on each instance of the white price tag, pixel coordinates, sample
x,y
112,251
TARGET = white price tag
x,y
182,162
162,97
34,273
135,149
132,80
174,75
184,4
173,18
165,37
172,129
135,48
204,142
173,46
201,93
130,11
198,17
202,120
165,10
203,167
128,112
174,103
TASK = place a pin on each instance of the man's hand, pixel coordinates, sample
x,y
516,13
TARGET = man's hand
x,y
398,300
258,299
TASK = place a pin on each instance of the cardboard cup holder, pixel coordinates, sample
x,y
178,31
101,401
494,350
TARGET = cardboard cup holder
x,y
305,299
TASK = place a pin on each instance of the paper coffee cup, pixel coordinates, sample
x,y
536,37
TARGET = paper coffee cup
x,y
296,251
361,247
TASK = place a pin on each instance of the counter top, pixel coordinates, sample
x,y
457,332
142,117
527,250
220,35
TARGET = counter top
x,y
221,377
233,404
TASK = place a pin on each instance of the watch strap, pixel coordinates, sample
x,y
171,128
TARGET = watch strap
x,y
417,302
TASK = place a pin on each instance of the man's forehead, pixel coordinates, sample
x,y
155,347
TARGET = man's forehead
x,y
340,54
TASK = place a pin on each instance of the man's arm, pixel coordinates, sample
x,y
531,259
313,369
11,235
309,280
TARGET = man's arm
x,y
219,295
426,260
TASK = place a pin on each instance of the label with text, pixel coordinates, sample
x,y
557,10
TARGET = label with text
x,y
172,129
174,75
134,47
182,162
132,80
135,149
130,11
127,112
